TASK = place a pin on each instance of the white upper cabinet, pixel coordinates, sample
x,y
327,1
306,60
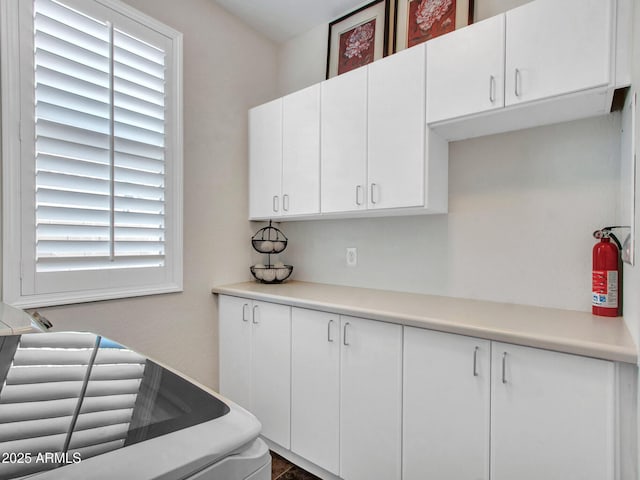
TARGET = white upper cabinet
x,y
558,66
265,160
552,415
373,142
301,152
284,156
396,140
555,48
344,142
465,71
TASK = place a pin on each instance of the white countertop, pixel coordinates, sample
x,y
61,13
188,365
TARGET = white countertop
x,y
561,330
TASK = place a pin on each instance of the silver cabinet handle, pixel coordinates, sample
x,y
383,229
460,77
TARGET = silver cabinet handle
x,y
517,81
492,88
358,193
374,186
245,317
504,367
285,202
276,203
344,335
255,316
329,337
475,361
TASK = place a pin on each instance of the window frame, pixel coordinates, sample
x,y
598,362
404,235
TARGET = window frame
x,y
19,286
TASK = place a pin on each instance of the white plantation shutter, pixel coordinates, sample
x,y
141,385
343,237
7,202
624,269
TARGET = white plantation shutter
x,y
101,206
100,165
73,130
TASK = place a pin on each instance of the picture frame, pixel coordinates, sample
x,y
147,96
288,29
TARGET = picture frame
x,y
420,20
359,38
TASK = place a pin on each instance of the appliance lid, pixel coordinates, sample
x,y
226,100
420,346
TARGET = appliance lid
x,y
66,397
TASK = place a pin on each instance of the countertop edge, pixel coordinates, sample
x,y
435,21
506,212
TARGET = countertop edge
x,y
619,353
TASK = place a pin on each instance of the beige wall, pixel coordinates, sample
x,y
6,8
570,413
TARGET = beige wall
x,y
302,60
227,69
489,8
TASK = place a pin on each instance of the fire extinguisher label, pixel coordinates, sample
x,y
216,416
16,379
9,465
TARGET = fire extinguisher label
x,y
605,288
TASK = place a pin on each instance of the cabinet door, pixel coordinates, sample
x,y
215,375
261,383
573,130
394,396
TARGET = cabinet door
x,y
265,160
396,130
552,415
554,48
446,393
465,71
235,349
344,142
271,370
301,152
371,400
315,387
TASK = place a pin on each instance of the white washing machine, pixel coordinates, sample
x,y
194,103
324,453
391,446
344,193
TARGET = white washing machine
x,y
78,406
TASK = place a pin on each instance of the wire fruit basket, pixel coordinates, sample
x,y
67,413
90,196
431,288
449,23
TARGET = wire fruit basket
x,y
270,241
271,273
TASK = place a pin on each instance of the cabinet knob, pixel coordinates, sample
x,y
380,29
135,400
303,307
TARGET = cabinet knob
x,y
255,314
245,310
285,202
276,203
358,195
516,81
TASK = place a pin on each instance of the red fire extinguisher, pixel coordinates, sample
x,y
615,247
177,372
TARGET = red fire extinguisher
x,y
606,274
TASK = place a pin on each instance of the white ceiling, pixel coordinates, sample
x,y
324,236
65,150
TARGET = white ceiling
x,y
281,20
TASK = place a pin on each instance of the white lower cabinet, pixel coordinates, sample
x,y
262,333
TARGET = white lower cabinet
x,y
234,320
446,399
255,362
552,415
346,394
315,387
540,414
370,400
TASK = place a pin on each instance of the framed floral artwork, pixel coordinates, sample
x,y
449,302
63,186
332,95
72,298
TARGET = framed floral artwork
x,y
420,20
358,38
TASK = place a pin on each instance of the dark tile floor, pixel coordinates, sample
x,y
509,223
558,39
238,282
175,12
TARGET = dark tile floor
x,y
282,469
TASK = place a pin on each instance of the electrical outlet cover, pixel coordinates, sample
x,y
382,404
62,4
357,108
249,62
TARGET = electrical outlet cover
x,y
352,257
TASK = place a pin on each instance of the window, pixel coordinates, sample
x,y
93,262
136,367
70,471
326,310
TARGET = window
x,y
92,152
